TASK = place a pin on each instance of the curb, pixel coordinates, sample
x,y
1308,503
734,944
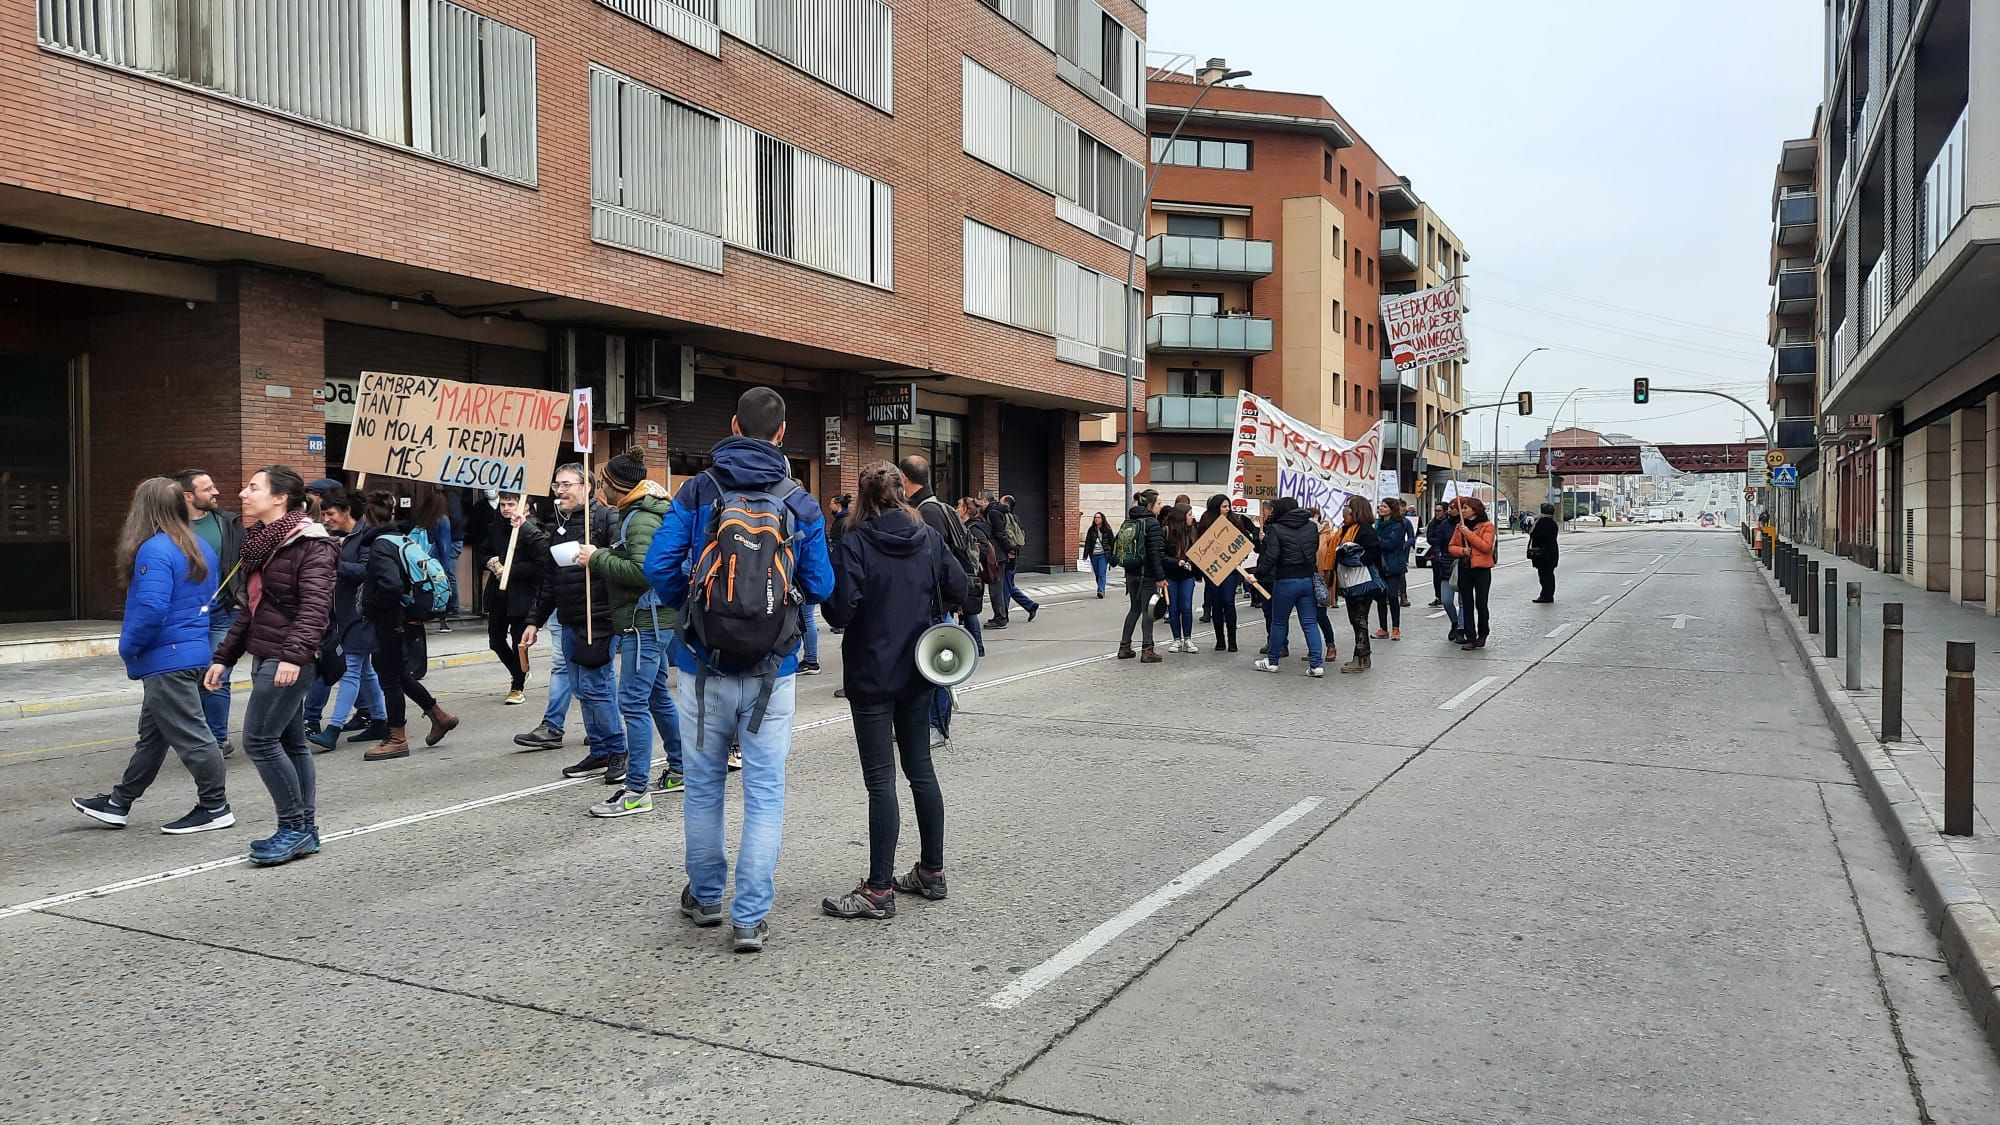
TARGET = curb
x,y
126,697
1967,928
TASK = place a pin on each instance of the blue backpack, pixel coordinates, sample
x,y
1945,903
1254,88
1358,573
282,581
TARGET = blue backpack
x,y
426,587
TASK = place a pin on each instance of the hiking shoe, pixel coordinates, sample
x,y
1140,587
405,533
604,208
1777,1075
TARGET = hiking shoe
x,y
1264,665
324,739
311,846
622,804
809,668
703,914
670,782
593,763
1150,655
200,820
543,737
283,846
102,809
228,748
735,758
614,769
749,939
929,884
1125,652
516,697
863,901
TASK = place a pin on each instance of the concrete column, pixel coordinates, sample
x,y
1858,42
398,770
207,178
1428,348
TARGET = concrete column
x,y
1992,505
1927,504
1967,501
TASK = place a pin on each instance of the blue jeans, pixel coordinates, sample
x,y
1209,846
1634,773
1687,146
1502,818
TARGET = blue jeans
x,y
1180,608
1014,593
215,704
941,697
1100,565
1448,593
360,680
971,623
809,631
274,736
557,712
1289,596
448,555
593,687
708,726
645,704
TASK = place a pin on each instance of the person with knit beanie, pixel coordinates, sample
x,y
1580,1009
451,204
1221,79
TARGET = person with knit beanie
x,y
642,627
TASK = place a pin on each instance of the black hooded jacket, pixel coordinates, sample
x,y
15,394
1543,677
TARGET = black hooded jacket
x,y
1152,566
563,586
889,577
1291,547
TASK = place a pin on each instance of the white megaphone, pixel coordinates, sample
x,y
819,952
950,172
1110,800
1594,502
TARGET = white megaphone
x,y
947,654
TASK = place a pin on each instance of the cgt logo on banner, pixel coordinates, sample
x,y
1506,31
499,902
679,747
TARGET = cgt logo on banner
x,y
1315,468
1424,327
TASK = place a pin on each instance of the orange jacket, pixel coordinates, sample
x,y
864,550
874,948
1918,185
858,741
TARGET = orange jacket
x,y
1475,543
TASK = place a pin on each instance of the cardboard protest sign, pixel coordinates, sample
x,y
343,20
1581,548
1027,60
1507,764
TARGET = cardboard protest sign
x,y
1223,549
1424,327
459,435
1315,468
1260,478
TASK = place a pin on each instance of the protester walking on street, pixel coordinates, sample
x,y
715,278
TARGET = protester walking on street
x,y
894,576
222,530
507,611
1392,532
351,633
170,576
1181,575
1473,545
1097,549
1358,545
1544,552
289,567
575,510
1221,597
1141,548
986,575
389,601
642,626
1009,538
578,616
737,651
1288,567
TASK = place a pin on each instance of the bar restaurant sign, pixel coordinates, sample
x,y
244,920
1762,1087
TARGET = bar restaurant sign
x,y
892,404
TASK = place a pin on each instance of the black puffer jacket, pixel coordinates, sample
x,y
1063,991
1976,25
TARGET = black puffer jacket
x,y
1542,545
1291,547
889,576
1152,566
531,562
357,637
562,586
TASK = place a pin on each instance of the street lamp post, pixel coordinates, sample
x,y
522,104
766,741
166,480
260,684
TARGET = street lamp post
x,y
1496,423
1555,497
1134,306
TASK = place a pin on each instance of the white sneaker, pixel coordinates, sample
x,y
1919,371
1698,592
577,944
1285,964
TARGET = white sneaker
x,y
1264,665
1316,673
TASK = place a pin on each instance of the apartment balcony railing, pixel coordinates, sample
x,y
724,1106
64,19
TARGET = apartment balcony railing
x,y
1797,363
1798,219
1796,433
1845,181
1208,334
1399,249
1406,379
1874,299
1843,351
1190,414
1941,198
1797,290
1183,255
1400,435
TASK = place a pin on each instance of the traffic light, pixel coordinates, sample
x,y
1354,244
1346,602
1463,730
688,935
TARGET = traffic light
x,y
1423,482
1642,390
1527,403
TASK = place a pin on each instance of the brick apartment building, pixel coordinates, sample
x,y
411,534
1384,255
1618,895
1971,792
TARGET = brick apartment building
x,y
215,215
1273,231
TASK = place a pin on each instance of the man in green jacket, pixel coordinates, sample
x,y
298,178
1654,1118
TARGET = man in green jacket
x,y
642,627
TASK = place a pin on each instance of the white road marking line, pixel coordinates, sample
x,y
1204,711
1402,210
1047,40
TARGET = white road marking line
x,y
1656,560
1080,950
158,877
1628,582
1602,600
1477,687
1558,630
1438,614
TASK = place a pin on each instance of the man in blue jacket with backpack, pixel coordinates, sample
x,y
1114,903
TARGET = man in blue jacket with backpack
x,y
740,549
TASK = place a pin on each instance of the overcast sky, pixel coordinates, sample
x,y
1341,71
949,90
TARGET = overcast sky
x,y
1608,165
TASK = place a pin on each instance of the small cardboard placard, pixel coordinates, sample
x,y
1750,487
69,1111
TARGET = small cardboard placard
x,y
1260,478
1220,552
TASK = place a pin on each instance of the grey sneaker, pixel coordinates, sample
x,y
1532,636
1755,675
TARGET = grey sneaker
x,y
622,803
702,914
749,939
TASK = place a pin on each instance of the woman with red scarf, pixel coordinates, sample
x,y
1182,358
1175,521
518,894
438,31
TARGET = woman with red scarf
x,y
289,566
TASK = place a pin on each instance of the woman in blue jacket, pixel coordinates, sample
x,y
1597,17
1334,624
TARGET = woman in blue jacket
x,y
170,581
891,573
1392,530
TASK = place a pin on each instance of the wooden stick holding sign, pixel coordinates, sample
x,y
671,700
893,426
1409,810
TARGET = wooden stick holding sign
x,y
513,537
583,435
1222,552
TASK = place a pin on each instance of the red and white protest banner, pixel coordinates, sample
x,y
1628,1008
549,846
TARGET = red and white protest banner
x,y
1424,327
1315,468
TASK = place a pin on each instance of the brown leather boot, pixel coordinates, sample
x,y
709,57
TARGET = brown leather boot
x,y
443,722
1148,656
397,745
1125,652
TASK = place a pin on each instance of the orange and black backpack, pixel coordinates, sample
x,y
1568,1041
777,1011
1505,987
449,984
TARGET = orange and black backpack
x,y
743,599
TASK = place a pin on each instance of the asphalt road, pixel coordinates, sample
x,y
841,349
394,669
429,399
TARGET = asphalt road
x,y
1606,870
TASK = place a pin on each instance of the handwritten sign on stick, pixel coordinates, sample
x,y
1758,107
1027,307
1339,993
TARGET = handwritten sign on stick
x,y
459,435
1260,478
1222,550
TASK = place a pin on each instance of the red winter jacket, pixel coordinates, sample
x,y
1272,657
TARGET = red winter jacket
x,y
294,604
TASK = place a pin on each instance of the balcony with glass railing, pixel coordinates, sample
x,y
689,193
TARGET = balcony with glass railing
x,y
1874,299
1797,218
1796,363
1207,334
1190,414
1941,197
1184,255
1400,435
1392,378
1798,288
1399,249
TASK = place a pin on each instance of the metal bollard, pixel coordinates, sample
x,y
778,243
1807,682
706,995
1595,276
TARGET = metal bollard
x,y
1792,558
1854,636
1802,584
1892,671
1832,634
1782,567
1811,609
1958,738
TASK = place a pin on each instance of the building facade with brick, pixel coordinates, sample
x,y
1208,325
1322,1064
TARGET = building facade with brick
x,y
213,218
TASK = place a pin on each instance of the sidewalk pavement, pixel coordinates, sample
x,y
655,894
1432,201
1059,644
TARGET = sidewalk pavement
x,y
1957,877
91,683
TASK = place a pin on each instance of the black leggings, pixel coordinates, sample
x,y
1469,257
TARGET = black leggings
x,y
1139,592
1357,616
1474,584
388,658
881,729
503,634
1389,603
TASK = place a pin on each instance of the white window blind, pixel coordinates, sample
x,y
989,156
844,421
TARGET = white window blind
x,y
429,75
691,21
847,44
1017,282
1098,186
